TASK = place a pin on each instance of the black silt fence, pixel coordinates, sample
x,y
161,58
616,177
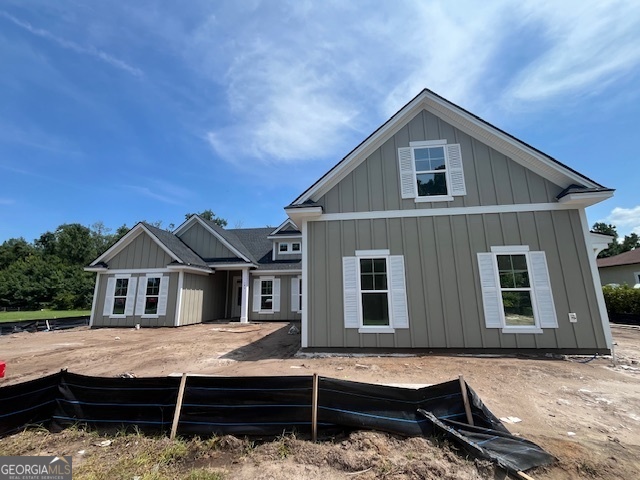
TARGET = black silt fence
x,y
263,406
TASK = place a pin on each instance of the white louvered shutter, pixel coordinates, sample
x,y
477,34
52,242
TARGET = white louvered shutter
x,y
399,311
163,296
142,297
350,291
407,173
131,297
295,293
542,287
276,295
456,174
256,295
108,298
490,291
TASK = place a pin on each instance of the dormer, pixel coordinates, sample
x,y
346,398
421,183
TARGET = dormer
x,y
287,242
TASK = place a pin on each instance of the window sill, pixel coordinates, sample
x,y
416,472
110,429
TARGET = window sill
x,y
117,316
150,316
376,330
265,312
522,330
438,198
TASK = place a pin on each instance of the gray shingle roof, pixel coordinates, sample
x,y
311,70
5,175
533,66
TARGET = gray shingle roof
x,y
231,238
177,246
256,242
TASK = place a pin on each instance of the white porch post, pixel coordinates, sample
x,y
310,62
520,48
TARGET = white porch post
x,y
244,304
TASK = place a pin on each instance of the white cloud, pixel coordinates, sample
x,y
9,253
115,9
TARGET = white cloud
x,y
589,44
69,45
162,191
625,219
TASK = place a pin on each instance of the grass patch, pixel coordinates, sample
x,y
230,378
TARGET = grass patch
x,y
41,315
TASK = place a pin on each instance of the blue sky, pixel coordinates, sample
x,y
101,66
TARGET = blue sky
x,y
126,111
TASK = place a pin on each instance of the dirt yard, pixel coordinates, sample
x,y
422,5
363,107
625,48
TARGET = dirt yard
x,y
586,414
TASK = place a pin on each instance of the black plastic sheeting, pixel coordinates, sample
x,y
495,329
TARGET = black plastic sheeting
x,y
7,328
263,406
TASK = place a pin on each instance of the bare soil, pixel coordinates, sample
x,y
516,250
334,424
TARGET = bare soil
x,y
586,414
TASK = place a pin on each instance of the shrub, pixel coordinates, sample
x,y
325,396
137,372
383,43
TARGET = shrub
x,y
622,300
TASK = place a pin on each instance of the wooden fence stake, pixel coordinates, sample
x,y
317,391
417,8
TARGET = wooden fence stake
x,y
176,414
314,409
465,399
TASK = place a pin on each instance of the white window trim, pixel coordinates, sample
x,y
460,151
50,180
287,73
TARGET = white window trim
x,y
273,284
637,275
374,254
113,300
289,250
151,315
454,172
516,250
300,290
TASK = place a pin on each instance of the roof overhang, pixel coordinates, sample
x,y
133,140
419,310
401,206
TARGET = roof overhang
x,y
283,236
277,231
301,214
520,152
231,266
585,199
96,269
190,269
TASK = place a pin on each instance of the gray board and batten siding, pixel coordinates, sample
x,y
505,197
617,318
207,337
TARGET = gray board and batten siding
x,y
491,178
203,298
285,313
167,320
142,252
442,280
201,241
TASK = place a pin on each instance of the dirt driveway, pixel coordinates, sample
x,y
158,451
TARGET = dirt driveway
x,y
586,414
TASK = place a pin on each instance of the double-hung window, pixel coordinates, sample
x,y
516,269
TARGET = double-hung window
x,y
374,292
266,295
153,291
152,296
431,171
516,290
120,297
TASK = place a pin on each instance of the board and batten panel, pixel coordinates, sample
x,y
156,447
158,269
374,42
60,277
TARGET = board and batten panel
x,y
619,274
491,178
203,298
167,320
201,241
443,286
142,252
285,312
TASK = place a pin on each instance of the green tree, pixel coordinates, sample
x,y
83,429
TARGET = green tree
x,y
75,244
13,250
209,215
617,246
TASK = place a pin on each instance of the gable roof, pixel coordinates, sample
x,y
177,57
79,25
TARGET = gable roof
x,y
167,241
626,258
521,152
281,229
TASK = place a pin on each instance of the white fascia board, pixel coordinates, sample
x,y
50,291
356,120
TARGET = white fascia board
x,y
127,239
190,269
285,236
288,221
302,214
585,199
95,269
232,266
512,148
259,273
185,225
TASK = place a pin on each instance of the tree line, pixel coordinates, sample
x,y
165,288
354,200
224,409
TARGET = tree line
x,y
618,245
49,272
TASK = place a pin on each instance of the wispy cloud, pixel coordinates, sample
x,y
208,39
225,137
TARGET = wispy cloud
x,y
589,45
70,45
162,191
625,219
7,201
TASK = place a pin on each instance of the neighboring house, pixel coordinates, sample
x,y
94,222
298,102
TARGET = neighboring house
x,y
620,269
438,231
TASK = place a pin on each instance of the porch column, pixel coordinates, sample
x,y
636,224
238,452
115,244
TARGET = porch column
x,y
244,304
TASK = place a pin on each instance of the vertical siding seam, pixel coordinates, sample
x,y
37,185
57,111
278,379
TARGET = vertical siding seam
x,y
566,292
476,284
476,166
442,296
344,330
585,278
327,281
423,271
493,177
527,183
458,276
509,174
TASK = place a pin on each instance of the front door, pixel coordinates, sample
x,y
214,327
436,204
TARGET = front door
x,y
236,297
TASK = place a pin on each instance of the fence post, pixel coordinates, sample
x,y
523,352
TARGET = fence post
x,y
314,409
176,414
